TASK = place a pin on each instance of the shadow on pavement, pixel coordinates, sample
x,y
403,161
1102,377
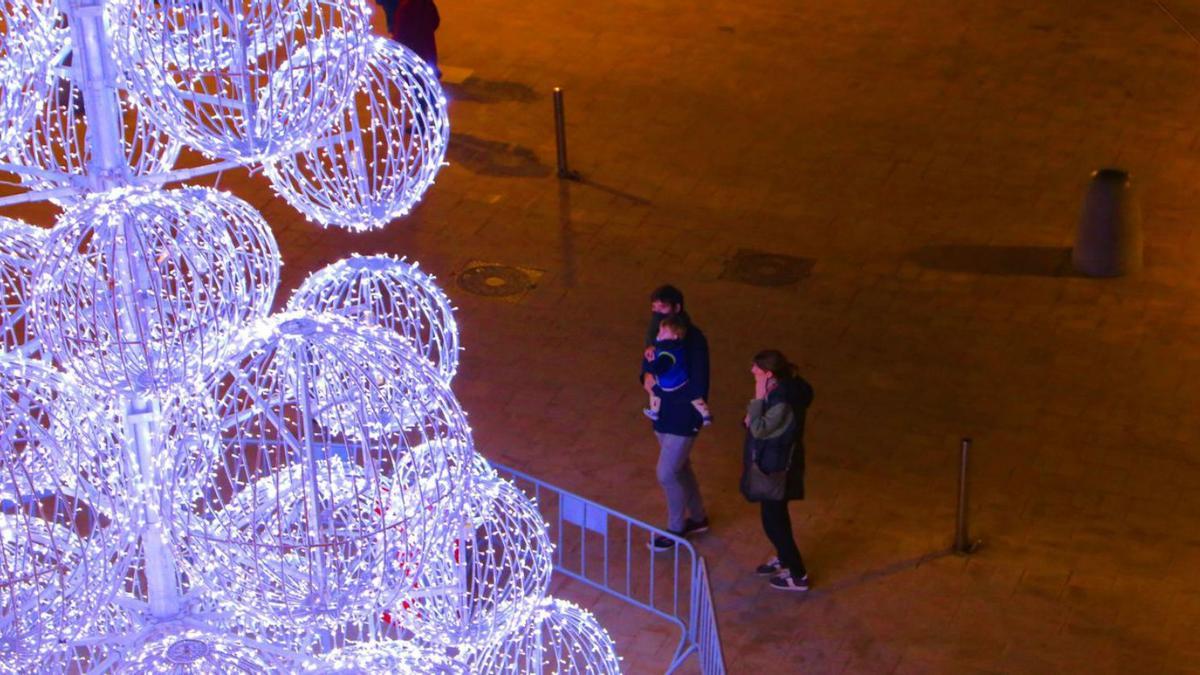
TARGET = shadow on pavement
x,y
627,196
1040,261
821,590
479,90
495,158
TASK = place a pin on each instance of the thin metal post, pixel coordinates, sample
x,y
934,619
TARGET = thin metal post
x,y
162,579
108,166
962,540
560,136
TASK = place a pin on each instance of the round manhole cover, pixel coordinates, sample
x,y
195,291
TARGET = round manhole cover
x,y
495,280
767,269
187,651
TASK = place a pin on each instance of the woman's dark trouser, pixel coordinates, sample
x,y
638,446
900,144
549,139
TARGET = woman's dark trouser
x,y
777,524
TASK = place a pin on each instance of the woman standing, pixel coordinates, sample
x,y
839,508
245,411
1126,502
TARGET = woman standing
x,y
773,461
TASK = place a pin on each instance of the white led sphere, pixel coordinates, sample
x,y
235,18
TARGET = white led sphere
x,y
30,37
296,494
382,155
390,293
53,579
561,638
386,656
57,141
137,288
58,439
487,581
63,525
20,245
239,79
178,648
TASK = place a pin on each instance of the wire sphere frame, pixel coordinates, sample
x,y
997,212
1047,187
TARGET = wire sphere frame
x,y
385,656
56,141
288,490
65,527
183,648
20,245
138,288
29,40
561,638
366,486
494,574
381,156
390,293
238,79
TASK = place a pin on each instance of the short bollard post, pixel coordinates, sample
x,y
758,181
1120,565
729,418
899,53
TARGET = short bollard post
x,y
560,136
962,540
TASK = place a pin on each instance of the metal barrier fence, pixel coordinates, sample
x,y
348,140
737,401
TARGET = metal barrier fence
x,y
610,551
707,639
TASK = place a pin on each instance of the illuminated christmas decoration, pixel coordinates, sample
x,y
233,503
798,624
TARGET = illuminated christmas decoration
x,y
137,287
390,293
561,639
386,656
65,529
29,41
380,158
187,484
304,503
241,80
20,244
56,141
505,561
182,649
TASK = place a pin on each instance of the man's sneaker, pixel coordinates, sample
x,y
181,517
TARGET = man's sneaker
x,y
787,582
652,414
769,568
660,543
691,527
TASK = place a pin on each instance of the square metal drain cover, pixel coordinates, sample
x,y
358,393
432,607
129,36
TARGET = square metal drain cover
x,y
766,269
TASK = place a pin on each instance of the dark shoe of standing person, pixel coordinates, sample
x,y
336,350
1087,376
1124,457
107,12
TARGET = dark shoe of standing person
x,y
691,527
788,582
660,543
769,568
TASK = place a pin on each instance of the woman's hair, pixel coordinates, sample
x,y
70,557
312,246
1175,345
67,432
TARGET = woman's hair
x,y
773,361
676,324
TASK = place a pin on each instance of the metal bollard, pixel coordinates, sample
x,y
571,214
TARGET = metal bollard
x,y
560,136
962,541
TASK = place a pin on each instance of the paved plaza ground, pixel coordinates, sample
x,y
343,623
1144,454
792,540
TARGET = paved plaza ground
x,y
926,162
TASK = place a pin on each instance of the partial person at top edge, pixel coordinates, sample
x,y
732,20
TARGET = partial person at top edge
x,y
412,23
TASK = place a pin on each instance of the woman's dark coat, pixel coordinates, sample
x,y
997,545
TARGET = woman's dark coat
x,y
778,421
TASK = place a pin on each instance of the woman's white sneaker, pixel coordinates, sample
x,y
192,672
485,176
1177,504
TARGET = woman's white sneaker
x,y
787,582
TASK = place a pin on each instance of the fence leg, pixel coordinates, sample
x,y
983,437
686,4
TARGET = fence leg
x,y
560,136
962,540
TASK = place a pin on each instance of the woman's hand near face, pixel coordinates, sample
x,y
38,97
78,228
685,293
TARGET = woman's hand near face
x,y
764,381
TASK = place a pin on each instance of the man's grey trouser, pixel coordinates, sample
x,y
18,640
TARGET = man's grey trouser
x,y
678,481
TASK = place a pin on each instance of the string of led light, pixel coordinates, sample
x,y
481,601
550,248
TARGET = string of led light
x,y
20,244
252,494
382,155
391,293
